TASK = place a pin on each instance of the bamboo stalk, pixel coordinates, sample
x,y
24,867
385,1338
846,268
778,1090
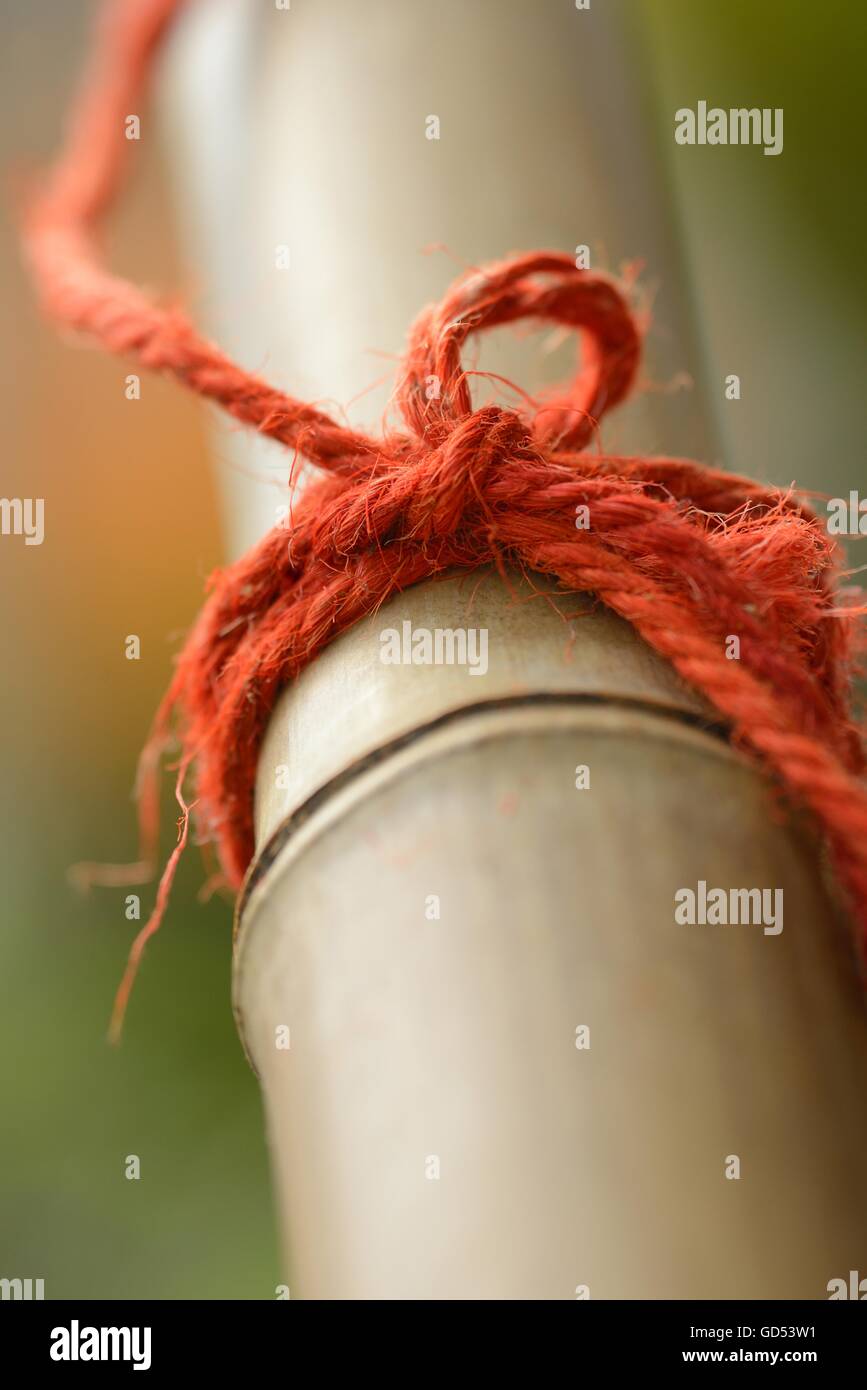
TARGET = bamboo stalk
x,y
416,1038
451,1041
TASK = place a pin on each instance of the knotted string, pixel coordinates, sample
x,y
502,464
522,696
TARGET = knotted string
x,y
687,555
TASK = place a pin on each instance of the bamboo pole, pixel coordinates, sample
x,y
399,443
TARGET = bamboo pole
x,y
437,1130
436,906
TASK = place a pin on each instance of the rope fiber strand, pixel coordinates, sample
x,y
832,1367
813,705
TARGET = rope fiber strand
x,y
686,554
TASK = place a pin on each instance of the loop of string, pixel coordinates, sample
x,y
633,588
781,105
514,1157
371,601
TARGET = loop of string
x,y
688,555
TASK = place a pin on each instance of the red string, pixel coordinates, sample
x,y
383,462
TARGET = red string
x,y
687,555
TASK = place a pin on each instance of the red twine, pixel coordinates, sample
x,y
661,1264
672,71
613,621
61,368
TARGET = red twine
x,y
687,555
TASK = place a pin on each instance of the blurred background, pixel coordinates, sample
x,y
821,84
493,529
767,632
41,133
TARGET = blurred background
x,y
774,272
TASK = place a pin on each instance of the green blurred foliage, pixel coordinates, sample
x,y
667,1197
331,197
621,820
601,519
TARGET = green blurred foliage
x,y
771,245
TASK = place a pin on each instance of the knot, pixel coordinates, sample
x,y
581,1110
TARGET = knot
x,y
453,480
433,391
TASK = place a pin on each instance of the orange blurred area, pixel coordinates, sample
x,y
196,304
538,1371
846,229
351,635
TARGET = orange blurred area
x,y
131,533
